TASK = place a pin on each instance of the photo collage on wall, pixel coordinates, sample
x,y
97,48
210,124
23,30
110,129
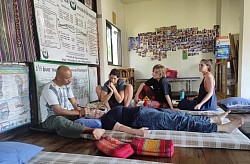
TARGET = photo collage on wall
x,y
170,38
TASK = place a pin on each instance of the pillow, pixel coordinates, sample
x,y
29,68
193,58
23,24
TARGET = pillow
x,y
114,148
153,147
90,122
171,73
235,102
17,152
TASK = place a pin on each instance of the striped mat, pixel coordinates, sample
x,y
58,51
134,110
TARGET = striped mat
x,y
234,140
63,158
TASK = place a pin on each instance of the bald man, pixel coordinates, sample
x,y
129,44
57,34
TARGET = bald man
x,y
56,112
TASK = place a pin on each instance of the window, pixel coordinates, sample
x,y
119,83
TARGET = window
x,y
113,45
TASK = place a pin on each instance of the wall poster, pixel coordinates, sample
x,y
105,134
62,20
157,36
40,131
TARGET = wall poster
x,y
93,82
222,47
67,31
14,97
45,72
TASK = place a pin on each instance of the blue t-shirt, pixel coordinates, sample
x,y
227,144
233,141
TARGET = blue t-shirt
x,y
121,114
121,85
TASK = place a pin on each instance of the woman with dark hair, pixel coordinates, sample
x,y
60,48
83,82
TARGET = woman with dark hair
x,y
115,91
206,99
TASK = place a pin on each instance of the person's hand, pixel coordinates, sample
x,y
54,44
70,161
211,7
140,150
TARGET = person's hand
x,y
98,133
136,99
197,107
111,89
112,86
76,107
83,112
175,109
142,131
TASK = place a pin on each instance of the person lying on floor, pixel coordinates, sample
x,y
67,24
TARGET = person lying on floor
x,y
138,120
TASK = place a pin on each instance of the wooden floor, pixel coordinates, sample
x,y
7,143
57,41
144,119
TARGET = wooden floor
x,y
55,143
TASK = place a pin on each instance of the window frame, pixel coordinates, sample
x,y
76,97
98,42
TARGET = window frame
x,y
110,45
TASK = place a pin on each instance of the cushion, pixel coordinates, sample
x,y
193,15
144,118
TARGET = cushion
x,y
235,102
151,147
113,147
151,104
17,152
171,73
90,122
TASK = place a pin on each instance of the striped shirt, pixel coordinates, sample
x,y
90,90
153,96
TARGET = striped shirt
x,y
53,95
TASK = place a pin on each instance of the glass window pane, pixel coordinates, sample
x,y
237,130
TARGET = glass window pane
x,y
109,45
113,45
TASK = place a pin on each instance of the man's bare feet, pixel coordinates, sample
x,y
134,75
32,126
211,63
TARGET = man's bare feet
x,y
219,119
231,126
98,133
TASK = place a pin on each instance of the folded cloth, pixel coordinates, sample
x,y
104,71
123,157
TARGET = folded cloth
x,y
113,147
155,104
150,147
147,93
151,104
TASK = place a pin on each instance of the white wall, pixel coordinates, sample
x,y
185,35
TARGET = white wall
x,y
234,21
228,16
105,9
148,15
244,51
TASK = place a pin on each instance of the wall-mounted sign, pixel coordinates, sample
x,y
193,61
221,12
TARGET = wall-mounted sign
x,y
222,47
67,31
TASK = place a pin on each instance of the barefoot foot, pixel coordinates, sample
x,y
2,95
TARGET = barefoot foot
x,y
231,126
219,119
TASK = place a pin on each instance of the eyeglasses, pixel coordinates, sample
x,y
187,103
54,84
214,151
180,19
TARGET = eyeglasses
x,y
92,109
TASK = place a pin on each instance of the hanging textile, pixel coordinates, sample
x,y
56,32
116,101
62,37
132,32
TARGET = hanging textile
x,y
16,31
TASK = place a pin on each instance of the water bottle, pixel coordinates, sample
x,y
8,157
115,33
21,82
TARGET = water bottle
x,y
182,95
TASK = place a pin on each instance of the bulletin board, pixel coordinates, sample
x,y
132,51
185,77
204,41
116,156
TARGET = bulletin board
x,y
157,44
14,97
45,72
67,31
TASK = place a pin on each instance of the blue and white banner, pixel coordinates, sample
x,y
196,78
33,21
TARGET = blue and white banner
x,y
222,47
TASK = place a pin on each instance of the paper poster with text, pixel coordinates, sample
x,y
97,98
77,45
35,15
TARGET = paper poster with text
x,y
67,31
14,97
